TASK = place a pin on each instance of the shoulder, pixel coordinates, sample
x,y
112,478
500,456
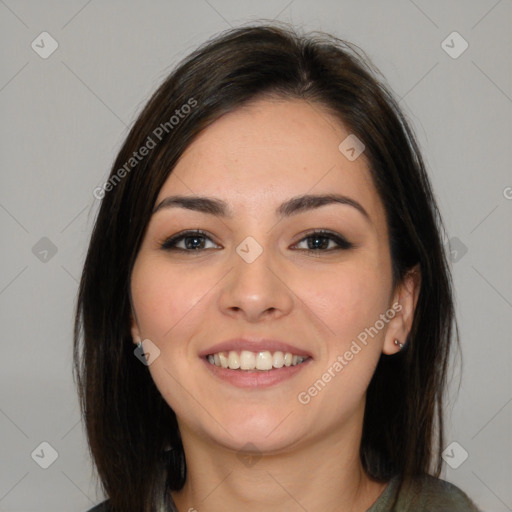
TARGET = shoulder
x,y
104,506
440,495
424,494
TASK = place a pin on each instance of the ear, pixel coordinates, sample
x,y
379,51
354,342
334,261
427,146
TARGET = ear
x,y
404,303
134,324
136,336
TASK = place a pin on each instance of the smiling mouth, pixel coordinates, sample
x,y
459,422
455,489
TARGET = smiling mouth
x,y
247,360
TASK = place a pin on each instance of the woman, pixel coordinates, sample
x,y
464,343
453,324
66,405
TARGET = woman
x,y
266,308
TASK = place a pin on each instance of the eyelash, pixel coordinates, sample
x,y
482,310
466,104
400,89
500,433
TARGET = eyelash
x,y
343,244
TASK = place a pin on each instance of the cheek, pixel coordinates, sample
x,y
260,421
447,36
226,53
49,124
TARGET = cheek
x,y
166,300
162,296
349,303
350,300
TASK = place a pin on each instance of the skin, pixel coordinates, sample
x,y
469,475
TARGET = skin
x,y
305,456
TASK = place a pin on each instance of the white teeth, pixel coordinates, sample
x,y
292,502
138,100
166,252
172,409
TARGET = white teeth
x,y
264,361
223,360
233,360
247,360
278,360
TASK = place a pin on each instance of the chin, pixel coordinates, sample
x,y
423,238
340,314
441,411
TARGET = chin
x,y
247,430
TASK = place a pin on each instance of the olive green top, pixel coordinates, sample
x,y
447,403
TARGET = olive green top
x,y
428,494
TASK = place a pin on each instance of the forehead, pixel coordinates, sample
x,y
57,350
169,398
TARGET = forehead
x,y
268,151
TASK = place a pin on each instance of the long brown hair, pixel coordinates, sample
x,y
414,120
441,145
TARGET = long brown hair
x,y
128,423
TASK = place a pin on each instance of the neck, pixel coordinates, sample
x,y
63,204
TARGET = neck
x,y
325,474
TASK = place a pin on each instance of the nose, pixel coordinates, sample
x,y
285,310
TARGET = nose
x,y
255,291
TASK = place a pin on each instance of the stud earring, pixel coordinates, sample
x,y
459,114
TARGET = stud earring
x,y
399,345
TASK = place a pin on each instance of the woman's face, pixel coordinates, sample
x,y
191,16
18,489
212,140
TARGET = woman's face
x,y
257,283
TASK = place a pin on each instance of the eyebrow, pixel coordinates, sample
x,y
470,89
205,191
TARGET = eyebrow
x,y
290,207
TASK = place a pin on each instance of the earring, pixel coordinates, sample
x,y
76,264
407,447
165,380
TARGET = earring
x,y
399,345
139,344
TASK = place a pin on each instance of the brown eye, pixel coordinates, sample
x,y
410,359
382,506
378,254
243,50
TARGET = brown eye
x,y
324,241
188,241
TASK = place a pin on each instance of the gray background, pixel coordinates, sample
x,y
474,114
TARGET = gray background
x,y
64,118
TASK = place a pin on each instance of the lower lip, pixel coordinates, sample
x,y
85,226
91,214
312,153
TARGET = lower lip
x,y
255,378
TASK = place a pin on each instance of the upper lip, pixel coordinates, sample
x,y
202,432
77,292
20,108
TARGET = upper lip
x,y
254,345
